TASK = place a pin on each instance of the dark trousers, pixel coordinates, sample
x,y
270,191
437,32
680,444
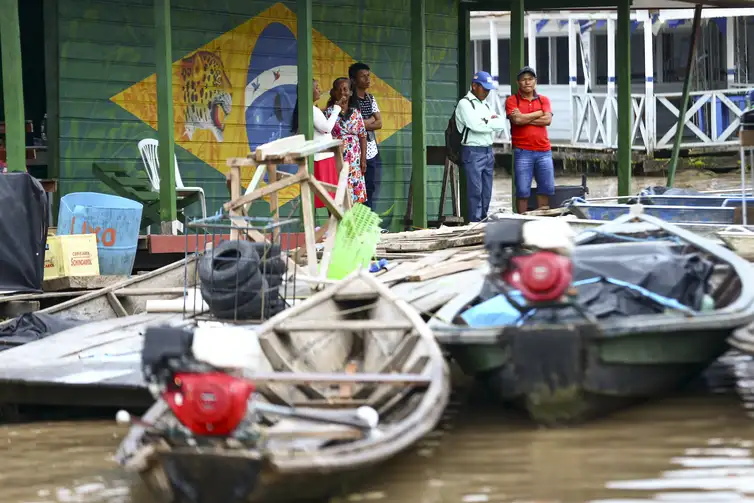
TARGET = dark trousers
x,y
478,166
372,180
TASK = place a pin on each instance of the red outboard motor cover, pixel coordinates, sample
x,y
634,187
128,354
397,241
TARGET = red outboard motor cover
x,y
542,276
211,404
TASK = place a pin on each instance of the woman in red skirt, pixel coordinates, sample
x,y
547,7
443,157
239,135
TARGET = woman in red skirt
x,y
324,162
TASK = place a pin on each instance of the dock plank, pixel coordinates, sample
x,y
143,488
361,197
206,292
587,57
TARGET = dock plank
x,y
99,337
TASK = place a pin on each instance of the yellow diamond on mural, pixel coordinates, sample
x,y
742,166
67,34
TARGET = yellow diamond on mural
x,y
239,90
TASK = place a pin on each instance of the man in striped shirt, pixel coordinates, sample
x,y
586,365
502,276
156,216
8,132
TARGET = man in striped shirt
x,y
361,76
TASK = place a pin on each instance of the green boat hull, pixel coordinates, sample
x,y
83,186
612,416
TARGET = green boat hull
x,y
570,374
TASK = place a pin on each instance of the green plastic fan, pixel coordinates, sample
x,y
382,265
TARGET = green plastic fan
x,y
355,241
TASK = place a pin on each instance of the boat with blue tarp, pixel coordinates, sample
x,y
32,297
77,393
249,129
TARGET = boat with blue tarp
x,y
675,205
573,327
721,215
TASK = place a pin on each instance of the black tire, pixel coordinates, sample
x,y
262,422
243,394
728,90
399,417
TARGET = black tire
x,y
271,260
251,310
227,298
231,263
267,250
273,280
274,265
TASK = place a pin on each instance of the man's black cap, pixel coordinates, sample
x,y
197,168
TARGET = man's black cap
x,y
526,69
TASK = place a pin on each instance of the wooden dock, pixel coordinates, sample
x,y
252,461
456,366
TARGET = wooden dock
x,y
98,364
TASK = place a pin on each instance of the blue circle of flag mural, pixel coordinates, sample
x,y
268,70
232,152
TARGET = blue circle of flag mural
x,y
271,86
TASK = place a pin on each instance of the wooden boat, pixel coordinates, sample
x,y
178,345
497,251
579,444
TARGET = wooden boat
x,y
562,359
721,215
121,299
696,200
345,380
740,239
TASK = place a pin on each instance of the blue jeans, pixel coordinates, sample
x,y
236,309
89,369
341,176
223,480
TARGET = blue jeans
x,y
372,180
478,164
528,164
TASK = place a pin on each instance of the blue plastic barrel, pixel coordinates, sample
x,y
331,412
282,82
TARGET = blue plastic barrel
x,y
114,220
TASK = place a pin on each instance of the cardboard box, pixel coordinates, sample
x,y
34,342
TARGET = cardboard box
x,y
73,255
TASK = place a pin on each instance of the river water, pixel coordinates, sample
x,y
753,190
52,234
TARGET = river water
x,y
697,446
693,447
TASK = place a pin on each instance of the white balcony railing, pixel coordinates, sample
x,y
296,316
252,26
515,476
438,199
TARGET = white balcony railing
x,y
712,120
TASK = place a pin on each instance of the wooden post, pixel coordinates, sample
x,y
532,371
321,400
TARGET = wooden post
x,y
516,63
235,193
305,70
307,209
305,93
52,77
625,107
695,28
465,71
13,89
165,126
494,42
610,115
418,112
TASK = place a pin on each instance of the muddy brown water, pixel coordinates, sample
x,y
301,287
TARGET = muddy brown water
x,y
693,447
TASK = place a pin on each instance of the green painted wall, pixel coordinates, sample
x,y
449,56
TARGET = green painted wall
x,y
107,46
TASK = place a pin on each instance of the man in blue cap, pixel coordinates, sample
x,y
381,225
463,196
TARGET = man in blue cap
x,y
476,122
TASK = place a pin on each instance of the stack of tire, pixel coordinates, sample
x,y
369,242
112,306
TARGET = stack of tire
x,y
240,280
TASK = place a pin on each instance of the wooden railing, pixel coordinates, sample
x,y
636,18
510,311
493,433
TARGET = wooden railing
x,y
595,124
711,120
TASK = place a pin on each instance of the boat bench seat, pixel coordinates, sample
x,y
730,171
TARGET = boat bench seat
x,y
304,435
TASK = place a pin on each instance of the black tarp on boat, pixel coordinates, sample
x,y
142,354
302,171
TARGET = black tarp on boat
x,y
614,280
657,267
31,327
23,233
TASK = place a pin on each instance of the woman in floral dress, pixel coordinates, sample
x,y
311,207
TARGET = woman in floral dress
x,y
350,129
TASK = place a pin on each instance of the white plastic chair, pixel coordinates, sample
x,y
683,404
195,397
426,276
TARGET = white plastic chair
x,y
148,150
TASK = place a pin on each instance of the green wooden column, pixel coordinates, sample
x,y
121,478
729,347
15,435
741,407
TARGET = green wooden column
x,y
465,69
623,81
418,113
165,126
516,63
52,77
305,70
685,97
13,90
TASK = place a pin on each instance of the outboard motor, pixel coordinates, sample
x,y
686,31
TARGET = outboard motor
x,y
533,257
193,372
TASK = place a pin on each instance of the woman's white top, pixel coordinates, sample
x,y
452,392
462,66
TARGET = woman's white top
x,y
323,129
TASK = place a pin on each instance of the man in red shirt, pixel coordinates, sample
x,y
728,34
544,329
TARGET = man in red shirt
x,y
530,114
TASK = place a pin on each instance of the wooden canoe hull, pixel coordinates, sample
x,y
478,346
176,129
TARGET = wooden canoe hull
x,y
356,344
225,479
741,242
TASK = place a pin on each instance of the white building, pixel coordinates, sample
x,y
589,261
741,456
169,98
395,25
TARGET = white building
x,y
573,53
